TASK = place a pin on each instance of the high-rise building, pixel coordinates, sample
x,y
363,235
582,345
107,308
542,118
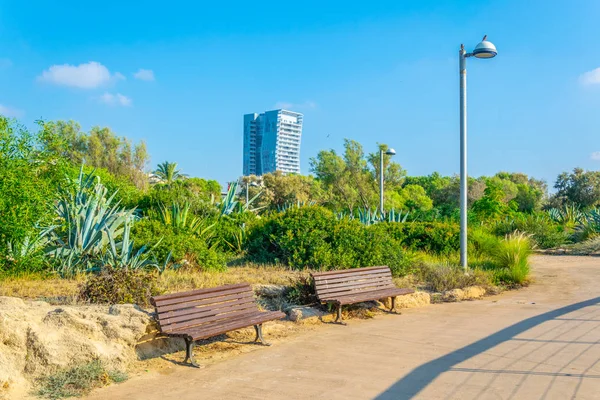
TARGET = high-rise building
x,y
272,142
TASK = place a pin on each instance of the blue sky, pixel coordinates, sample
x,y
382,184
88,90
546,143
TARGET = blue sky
x,y
180,75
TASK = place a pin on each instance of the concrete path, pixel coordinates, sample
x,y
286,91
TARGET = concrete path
x,y
542,342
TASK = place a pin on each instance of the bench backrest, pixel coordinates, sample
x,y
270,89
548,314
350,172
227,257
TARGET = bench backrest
x,y
188,309
332,284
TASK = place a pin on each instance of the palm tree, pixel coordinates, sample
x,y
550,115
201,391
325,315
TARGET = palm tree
x,y
168,172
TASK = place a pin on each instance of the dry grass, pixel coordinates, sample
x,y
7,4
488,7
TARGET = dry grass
x,y
180,280
66,290
41,287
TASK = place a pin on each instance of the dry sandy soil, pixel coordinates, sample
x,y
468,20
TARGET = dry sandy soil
x,y
541,342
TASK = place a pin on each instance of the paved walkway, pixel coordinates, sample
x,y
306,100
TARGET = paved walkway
x,y
542,342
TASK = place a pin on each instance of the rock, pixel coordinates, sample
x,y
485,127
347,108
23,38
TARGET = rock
x,y
37,339
298,313
453,295
468,293
437,298
413,300
270,291
473,292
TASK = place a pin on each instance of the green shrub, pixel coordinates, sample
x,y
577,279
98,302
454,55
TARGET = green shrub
x,y
185,248
119,286
78,380
512,258
430,237
544,232
311,237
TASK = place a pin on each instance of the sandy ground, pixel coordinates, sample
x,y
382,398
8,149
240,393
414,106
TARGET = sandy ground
x,y
541,342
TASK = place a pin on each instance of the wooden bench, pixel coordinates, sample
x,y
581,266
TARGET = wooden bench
x,y
204,313
355,286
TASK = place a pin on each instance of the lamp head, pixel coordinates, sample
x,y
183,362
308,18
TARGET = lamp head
x,y
485,49
391,152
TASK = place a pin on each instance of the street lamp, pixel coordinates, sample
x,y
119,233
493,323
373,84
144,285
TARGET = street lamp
x,y
389,152
248,184
484,49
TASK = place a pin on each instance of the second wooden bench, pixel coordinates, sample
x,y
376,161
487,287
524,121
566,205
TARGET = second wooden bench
x,y
356,285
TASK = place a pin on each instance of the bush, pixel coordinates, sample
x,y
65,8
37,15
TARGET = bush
x,y
544,232
512,258
508,258
430,237
311,237
185,248
120,286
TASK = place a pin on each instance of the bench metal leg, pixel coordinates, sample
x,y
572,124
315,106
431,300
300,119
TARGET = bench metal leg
x,y
189,352
393,308
338,319
259,336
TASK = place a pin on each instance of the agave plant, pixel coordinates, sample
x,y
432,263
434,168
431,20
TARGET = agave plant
x,y
394,216
122,254
589,226
366,216
30,246
298,204
229,203
569,214
91,218
180,218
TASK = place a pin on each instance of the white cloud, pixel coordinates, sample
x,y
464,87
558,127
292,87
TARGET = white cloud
x,y
85,76
591,77
144,75
595,156
115,99
295,106
10,111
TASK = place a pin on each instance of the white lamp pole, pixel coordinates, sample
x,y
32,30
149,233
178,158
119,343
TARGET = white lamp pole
x,y
389,152
484,49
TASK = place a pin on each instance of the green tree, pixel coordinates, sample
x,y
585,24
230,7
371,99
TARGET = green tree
x,y
350,181
580,187
100,148
492,205
168,172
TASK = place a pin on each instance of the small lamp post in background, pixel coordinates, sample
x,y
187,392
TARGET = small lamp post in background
x,y
389,152
248,184
484,49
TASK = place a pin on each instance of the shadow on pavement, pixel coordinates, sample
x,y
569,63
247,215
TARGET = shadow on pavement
x,y
419,378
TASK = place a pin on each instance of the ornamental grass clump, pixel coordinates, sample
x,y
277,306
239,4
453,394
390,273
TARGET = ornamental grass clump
x,y
511,257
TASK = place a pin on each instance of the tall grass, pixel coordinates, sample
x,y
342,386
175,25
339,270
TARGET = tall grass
x,y
507,258
512,258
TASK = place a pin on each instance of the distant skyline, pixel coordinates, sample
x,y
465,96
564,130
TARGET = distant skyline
x,y
182,76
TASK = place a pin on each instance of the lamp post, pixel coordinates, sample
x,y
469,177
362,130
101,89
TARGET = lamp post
x,y
389,152
484,49
248,184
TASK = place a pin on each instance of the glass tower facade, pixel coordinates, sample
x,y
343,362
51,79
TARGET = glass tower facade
x,y
272,142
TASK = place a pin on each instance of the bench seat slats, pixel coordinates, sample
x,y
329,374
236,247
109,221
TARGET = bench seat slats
x,y
198,303
200,312
352,271
201,294
352,284
356,285
240,301
219,327
346,274
366,296
193,320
